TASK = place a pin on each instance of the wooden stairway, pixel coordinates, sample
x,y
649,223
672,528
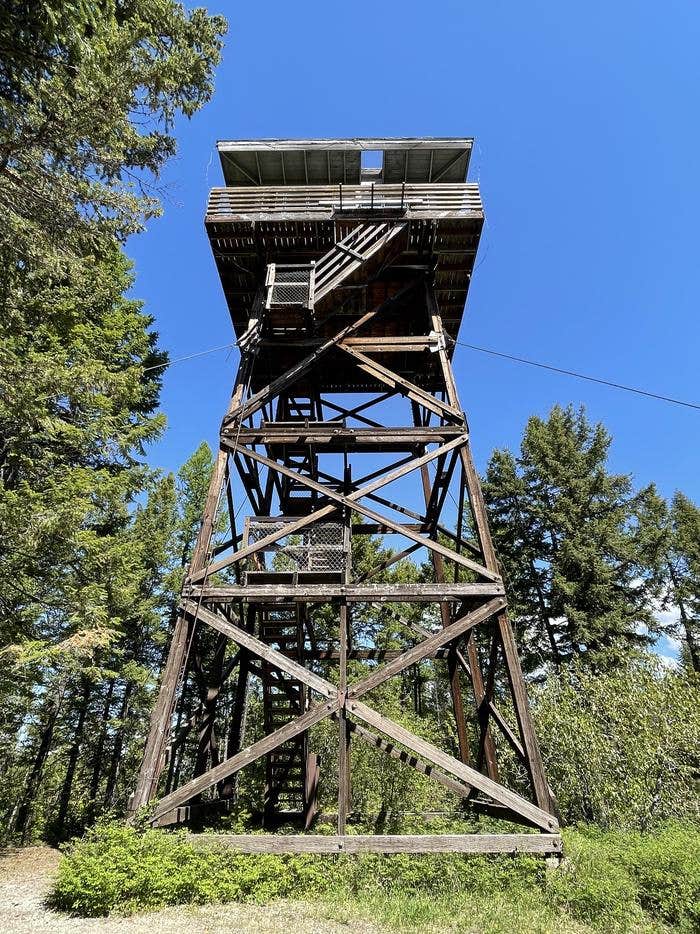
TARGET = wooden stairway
x,y
293,295
284,698
361,251
296,499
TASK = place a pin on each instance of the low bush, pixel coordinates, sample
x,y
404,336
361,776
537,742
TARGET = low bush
x,y
616,881
666,869
115,867
592,886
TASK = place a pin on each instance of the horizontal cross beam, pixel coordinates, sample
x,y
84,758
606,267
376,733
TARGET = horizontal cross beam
x,y
512,843
353,593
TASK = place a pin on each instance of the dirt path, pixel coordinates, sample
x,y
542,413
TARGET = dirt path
x,y
25,881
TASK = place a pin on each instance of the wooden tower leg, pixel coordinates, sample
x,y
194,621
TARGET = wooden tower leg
x,y
160,722
516,680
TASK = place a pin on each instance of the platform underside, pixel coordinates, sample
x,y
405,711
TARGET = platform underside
x,y
245,238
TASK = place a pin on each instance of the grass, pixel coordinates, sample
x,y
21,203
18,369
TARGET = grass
x,y
609,881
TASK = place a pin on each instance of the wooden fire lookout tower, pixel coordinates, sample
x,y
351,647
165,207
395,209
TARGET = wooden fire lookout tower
x,y
345,265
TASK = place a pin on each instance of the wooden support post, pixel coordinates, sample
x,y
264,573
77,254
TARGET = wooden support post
x,y
343,732
512,660
185,631
159,729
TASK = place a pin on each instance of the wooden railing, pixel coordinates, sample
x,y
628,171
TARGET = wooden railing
x,y
319,202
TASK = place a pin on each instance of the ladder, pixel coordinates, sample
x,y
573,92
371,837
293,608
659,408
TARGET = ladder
x,y
366,242
296,498
284,698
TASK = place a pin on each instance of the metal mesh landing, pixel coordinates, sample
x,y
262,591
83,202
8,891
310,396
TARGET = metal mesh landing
x,y
318,547
291,286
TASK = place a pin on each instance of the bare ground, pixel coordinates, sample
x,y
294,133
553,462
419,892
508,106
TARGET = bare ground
x,y
26,877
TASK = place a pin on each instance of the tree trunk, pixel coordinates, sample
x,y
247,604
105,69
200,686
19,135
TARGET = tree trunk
x,y
115,761
58,826
690,638
19,821
97,764
545,617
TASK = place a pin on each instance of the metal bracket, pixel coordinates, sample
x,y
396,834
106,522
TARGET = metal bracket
x,y
438,337
252,335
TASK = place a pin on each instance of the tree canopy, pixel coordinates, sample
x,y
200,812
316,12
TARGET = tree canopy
x,y
578,544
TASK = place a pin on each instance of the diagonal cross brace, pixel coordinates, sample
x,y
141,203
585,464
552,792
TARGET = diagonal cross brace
x,y
351,502
449,764
336,702
418,652
259,648
403,385
175,799
278,385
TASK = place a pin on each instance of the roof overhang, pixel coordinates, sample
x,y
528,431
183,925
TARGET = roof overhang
x,y
339,161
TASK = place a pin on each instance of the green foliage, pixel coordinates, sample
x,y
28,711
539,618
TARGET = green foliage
x,y
667,871
621,749
592,885
682,528
609,881
578,544
617,876
88,97
117,866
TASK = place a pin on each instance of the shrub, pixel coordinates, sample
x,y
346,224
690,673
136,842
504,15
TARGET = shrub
x,y
591,886
117,867
666,868
609,880
620,747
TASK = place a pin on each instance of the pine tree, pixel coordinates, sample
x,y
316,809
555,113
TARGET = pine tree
x,y
88,97
577,544
681,525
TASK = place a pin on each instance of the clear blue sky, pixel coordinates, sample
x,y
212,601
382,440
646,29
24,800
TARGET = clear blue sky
x,y
587,134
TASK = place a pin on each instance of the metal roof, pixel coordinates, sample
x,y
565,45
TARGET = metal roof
x,y
334,161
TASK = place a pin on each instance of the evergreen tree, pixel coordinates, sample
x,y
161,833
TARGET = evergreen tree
x,y
88,97
682,565
578,544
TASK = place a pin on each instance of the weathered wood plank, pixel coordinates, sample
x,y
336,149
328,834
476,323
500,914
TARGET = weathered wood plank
x,y
353,593
539,843
448,763
183,794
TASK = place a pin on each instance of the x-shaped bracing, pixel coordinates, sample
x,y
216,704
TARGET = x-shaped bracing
x,y
351,501
348,702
